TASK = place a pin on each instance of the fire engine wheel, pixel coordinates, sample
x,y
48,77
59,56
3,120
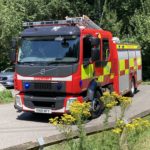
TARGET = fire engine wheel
x,y
97,106
132,88
109,88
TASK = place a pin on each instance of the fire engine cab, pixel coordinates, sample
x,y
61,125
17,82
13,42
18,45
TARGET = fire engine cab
x,y
58,62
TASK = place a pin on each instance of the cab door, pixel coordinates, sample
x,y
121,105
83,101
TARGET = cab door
x,y
87,68
105,63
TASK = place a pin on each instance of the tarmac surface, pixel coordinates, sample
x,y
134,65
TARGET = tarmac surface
x,y
18,128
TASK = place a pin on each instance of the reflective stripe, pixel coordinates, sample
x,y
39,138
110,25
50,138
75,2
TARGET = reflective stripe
x,y
68,78
122,65
101,78
139,61
24,78
131,62
112,76
135,67
106,72
127,71
123,68
107,69
128,46
87,72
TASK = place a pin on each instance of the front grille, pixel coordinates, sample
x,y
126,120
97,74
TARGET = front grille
x,y
40,86
43,102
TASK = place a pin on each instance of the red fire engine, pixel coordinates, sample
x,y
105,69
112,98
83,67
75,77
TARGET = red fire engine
x,y
58,62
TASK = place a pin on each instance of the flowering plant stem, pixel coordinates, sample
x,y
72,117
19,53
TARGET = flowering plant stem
x,y
123,140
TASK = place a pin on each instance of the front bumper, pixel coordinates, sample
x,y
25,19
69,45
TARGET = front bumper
x,y
44,104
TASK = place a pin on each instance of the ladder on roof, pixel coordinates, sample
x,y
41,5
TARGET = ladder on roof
x,y
83,21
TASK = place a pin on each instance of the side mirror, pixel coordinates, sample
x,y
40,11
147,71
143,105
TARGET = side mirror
x,y
14,42
94,41
95,55
13,56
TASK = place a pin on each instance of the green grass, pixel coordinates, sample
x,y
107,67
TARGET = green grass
x,y
143,140
146,83
106,140
6,97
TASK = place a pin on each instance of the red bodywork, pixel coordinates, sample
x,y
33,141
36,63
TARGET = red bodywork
x,y
74,87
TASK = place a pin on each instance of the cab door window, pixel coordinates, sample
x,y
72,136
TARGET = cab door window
x,y
106,50
86,48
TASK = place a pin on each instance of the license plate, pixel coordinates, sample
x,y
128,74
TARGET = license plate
x,y
43,111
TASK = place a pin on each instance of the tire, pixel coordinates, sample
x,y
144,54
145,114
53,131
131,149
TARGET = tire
x,y
109,88
132,88
97,106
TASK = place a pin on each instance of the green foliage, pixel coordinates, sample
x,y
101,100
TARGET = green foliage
x,y
105,140
110,23
141,23
6,96
130,20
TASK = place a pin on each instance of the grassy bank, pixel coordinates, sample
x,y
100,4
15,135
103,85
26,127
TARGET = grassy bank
x,y
107,140
5,96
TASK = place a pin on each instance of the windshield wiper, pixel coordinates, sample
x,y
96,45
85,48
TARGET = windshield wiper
x,y
32,63
61,60
54,62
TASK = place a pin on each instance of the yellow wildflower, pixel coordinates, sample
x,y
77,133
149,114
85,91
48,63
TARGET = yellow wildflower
x,y
68,119
111,104
106,94
120,123
130,126
54,121
117,130
80,109
146,123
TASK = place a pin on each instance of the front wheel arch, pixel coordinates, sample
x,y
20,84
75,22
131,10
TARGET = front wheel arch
x,y
94,93
97,106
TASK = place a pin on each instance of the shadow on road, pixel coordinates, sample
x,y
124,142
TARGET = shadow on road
x,y
137,91
128,94
44,118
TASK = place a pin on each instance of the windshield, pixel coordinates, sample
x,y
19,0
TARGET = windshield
x,y
56,49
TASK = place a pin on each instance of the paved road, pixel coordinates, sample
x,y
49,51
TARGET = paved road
x,y
17,128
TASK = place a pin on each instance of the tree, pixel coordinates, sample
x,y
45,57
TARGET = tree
x,y
141,23
129,19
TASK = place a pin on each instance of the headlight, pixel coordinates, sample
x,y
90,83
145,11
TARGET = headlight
x,y
18,101
69,101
